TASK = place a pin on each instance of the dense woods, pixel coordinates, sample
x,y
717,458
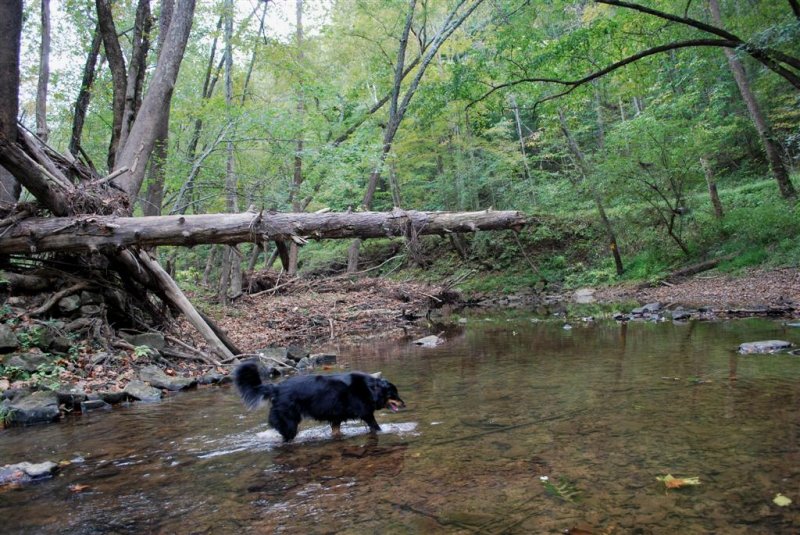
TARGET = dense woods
x,y
638,136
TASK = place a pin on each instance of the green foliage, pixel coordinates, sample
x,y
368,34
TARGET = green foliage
x,y
562,489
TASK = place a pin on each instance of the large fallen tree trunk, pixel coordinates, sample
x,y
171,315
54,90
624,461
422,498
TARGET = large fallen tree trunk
x,y
111,233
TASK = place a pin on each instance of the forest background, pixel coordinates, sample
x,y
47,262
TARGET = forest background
x,y
656,131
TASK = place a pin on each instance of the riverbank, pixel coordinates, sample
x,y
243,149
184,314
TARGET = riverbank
x,y
312,313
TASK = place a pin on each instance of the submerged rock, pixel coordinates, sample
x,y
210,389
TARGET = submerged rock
x,y
25,472
764,346
429,341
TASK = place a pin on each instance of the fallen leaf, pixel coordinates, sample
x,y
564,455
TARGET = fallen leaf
x,y
678,482
781,501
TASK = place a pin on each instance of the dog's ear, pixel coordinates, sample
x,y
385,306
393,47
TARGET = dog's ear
x,y
378,389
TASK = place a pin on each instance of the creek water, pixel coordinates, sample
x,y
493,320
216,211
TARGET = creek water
x,y
512,426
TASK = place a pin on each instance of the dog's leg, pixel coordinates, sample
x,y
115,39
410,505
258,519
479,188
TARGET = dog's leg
x,y
369,419
336,429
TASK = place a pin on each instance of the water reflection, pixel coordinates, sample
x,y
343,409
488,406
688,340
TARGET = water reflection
x,y
599,410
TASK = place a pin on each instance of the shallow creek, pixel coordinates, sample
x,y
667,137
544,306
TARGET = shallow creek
x,y
512,426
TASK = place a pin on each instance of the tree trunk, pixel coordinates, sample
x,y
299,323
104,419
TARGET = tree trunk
x,y
91,233
10,33
712,188
132,157
84,95
774,159
116,62
297,179
136,68
44,74
584,168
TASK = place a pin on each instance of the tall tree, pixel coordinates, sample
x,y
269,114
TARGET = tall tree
x,y
44,74
778,168
399,106
10,33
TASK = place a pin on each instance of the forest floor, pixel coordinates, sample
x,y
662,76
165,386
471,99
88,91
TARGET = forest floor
x,y
750,290
306,312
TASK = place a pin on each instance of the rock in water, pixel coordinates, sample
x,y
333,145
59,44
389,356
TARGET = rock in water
x,y
764,346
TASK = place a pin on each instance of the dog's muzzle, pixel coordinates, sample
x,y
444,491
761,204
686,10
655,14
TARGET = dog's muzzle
x,y
395,405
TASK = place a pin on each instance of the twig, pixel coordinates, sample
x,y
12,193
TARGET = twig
x,y
201,354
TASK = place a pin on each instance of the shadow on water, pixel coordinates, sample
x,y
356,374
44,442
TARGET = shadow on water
x,y
512,426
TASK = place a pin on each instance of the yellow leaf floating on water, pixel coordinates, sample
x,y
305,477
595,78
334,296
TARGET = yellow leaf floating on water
x,y
781,501
678,482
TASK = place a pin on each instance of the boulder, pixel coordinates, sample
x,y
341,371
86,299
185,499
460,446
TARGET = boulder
x,y
25,472
70,396
764,346
35,408
8,340
29,362
296,353
152,340
140,391
110,397
69,303
157,378
322,359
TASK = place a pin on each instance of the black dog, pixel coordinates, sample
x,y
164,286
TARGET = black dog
x,y
328,398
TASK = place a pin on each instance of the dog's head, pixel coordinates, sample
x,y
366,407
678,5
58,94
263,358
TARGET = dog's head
x,y
386,396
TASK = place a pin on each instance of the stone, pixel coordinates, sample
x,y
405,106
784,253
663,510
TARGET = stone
x,y
303,363
25,472
157,378
69,303
38,407
8,340
94,405
322,359
429,341
140,391
111,397
70,396
764,346
296,353
584,295
29,362
91,298
91,310
152,340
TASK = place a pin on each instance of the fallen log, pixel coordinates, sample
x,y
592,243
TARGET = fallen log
x,y
96,233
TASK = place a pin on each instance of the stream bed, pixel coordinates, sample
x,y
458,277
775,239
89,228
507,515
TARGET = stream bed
x,y
513,425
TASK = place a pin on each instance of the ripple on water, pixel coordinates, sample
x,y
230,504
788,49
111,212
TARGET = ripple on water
x,y
269,438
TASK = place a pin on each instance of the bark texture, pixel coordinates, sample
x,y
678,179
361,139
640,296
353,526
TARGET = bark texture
x,y
109,233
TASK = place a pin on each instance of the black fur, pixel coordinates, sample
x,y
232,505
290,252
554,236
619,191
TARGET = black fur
x,y
329,398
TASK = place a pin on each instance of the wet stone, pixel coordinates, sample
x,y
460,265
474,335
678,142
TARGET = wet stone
x,y
38,407
429,341
157,378
25,472
142,392
94,405
764,346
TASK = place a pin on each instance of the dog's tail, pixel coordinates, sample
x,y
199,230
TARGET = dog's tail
x,y
247,379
